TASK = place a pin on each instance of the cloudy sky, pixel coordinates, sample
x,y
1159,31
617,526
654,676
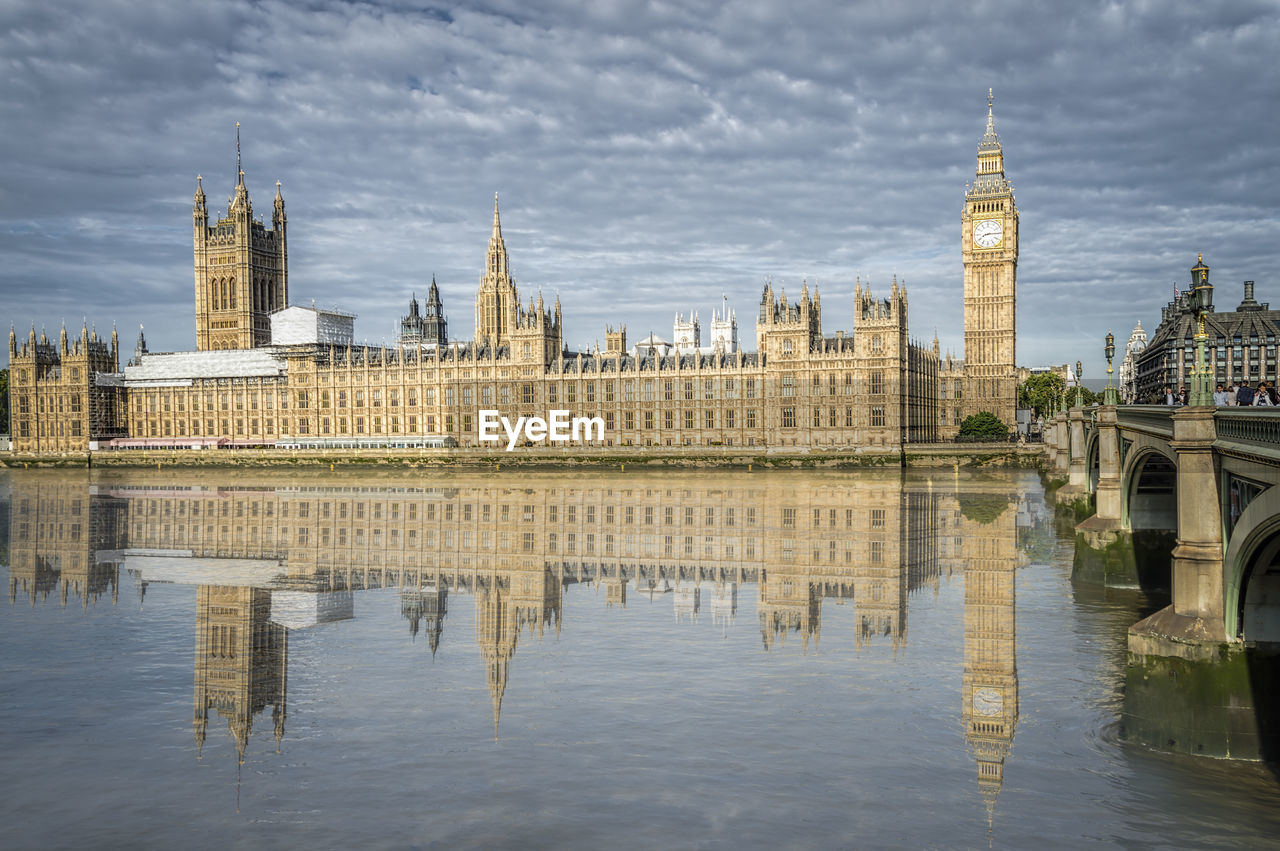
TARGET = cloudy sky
x,y
650,156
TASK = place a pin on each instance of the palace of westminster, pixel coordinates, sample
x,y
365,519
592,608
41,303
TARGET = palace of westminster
x,y
265,372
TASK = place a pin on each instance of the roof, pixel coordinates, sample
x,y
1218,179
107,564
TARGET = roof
x,y
178,366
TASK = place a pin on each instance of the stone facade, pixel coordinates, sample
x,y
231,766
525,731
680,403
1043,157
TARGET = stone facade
x,y
1129,366
804,388
62,394
241,270
989,243
428,328
1241,343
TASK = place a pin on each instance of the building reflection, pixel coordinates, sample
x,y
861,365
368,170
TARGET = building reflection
x,y
269,559
989,692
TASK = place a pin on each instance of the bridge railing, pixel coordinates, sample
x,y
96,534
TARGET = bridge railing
x,y
1256,428
1151,419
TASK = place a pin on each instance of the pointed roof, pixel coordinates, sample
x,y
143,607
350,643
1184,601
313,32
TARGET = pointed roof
x,y
990,141
497,224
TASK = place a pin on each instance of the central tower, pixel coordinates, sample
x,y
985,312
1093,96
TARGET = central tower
x,y
496,300
241,269
989,240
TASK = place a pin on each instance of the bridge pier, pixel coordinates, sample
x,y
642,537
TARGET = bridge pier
x,y
1188,688
1061,444
1079,473
1104,548
1107,497
1194,624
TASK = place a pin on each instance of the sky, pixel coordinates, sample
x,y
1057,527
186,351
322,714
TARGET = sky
x,y
650,157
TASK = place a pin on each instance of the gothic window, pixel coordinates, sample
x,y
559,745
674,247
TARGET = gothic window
x,y
877,417
786,347
876,343
788,417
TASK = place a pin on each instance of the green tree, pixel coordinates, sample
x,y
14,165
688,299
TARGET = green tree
x,y
982,508
983,425
1041,391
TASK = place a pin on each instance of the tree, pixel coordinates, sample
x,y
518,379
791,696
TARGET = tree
x,y
982,508
983,425
1041,392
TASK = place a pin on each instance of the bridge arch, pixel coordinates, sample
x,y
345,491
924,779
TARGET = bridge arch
x,y
1252,567
1092,461
1149,486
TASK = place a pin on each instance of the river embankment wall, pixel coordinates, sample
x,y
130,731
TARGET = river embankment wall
x,y
923,455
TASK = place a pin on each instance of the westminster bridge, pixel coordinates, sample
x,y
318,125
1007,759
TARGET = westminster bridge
x,y
1185,499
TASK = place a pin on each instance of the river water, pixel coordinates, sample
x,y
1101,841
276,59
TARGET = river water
x,y
583,660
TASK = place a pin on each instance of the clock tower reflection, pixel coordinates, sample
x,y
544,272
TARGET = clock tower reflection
x,y
990,680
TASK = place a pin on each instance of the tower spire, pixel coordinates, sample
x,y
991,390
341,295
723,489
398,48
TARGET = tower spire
x,y
239,170
497,225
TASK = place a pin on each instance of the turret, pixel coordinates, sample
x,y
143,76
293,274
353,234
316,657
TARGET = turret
x,y
62,339
13,342
199,209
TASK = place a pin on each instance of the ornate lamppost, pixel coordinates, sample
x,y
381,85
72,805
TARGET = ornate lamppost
x,y
1201,377
1079,384
1110,396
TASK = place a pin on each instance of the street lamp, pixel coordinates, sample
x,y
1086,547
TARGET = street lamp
x,y
1079,384
1110,396
1201,377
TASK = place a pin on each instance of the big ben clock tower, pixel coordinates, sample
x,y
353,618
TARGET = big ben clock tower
x,y
989,244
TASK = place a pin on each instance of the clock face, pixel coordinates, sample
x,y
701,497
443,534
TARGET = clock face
x,y
987,702
988,233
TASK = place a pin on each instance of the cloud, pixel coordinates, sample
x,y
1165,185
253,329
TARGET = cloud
x,y
650,156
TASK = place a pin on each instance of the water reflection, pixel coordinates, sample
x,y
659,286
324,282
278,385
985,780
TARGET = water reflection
x,y
269,560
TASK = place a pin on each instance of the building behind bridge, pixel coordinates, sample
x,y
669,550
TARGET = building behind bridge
x,y
1241,343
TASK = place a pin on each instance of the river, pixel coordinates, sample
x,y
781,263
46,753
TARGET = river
x,y
579,660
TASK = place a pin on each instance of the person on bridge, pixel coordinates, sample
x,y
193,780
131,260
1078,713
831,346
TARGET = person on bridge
x,y
1245,395
1232,392
1262,398
1169,398
1220,397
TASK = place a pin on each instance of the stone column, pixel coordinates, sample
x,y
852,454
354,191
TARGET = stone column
x,y
1197,558
1079,481
1194,627
1107,499
1058,455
